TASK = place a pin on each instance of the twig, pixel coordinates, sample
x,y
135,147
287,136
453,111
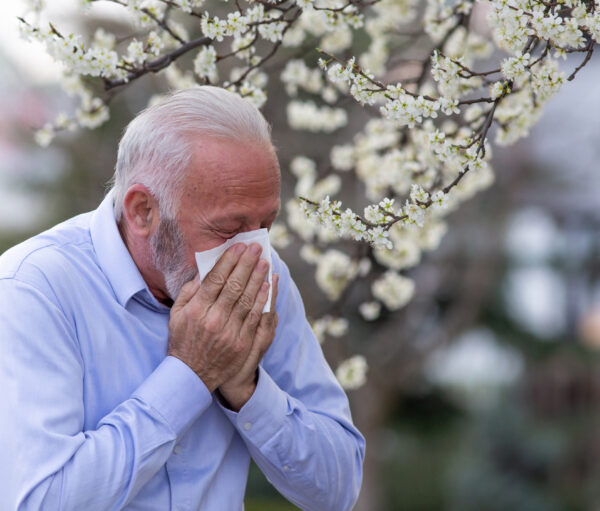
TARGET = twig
x,y
164,25
271,52
156,65
588,56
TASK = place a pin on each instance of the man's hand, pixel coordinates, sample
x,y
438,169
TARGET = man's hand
x,y
213,323
238,389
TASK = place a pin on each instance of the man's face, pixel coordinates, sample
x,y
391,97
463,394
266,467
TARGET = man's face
x,y
230,187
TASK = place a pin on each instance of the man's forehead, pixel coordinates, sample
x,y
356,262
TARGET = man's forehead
x,y
206,150
235,172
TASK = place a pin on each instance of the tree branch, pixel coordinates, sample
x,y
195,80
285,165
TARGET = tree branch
x,y
156,65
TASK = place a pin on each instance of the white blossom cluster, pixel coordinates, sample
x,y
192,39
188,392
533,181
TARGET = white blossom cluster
x,y
432,108
393,290
335,270
352,372
329,326
305,115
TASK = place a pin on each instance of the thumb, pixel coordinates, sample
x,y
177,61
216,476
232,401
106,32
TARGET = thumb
x,y
188,290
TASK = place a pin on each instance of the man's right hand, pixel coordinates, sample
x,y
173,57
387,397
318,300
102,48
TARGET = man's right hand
x,y
212,324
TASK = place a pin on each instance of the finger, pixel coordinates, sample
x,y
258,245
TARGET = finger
x,y
268,321
188,290
215,279
275,291
238,279
253,318
266,333
248,297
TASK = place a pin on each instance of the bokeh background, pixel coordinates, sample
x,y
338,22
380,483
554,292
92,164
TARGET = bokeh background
x,y
483,393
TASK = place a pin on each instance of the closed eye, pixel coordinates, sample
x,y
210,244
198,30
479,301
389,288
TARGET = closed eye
x,y
226,234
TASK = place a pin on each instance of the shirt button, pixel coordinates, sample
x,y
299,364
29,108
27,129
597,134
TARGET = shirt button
x,y
248,426
286,468
177,449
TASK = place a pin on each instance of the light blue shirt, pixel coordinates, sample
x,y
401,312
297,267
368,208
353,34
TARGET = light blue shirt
x,y
95,416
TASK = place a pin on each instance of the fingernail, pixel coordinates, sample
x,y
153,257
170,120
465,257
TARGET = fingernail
x,y
239,248
255,249
262,265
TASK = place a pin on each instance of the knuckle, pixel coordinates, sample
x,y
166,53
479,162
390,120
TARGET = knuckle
x,y
216,279
245,302
226,339
238,348
234,287
254,316
235,346
213,324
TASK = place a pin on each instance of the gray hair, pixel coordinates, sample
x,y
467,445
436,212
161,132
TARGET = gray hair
x,y
156,148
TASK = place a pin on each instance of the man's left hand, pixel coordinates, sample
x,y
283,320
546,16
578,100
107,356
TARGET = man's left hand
x,y
239,389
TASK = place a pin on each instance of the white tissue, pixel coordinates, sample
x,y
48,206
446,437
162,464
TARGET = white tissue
x,y
207,259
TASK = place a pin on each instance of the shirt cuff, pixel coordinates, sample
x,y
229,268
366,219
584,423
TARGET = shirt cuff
x,y
176,393
263,414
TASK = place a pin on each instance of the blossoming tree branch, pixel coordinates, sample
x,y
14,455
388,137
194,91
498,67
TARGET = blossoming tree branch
x,y
436,78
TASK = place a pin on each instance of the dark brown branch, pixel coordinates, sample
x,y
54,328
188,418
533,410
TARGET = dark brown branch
x,y
588,56
164,25
439,47
169,3
243,48
156,65
272,52
358,4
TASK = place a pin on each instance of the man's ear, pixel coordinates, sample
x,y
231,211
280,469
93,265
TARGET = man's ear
x,y
140,210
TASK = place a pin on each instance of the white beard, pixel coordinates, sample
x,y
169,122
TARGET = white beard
x,y
168,256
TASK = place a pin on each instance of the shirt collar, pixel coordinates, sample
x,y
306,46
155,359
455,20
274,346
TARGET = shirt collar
x,y
114,258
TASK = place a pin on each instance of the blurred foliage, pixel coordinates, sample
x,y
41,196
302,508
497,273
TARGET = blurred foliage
x,y
267,505
261,496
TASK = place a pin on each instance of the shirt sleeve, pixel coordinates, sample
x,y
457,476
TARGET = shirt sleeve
x,y
54,464
297,424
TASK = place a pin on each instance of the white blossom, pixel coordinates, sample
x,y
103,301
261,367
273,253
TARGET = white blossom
x,y
135,52
393,290
297,75
329,325
272,31
214,28
205,63
337,327
310,253
279,236
104,39
515,68
370,311
351,373
189,5
342,157
308,116
335,270
45,135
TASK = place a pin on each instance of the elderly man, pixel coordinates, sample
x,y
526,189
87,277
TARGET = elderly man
x,y
129,384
